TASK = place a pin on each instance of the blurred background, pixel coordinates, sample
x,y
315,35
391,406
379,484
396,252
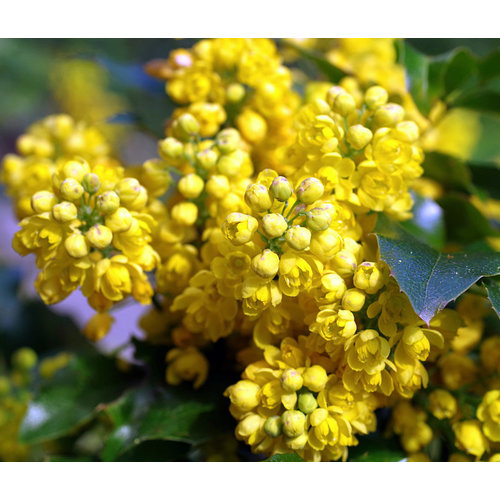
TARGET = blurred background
x,y
101,81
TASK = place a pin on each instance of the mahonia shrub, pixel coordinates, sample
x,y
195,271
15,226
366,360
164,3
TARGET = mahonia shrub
x,y
285,242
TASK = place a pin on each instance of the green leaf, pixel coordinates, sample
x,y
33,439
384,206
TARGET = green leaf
x,y
492,286
464,222
425,76
285,457
71,398
461,72
375,448
430,279
177,414
330,71
451,172
487,150
427,223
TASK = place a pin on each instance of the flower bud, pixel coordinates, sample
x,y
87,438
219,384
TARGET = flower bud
x,y
291,380
186,126
75,169
5,387
406,131
273,426
296,443
293,423
207,158
231,164
442,404
24,359
318,219
228,140
310,190
333,93
389,115
108,202
376,96
91,183
76,245
130,190
244,394
99,236
307,402
359,136
239,228
281,188
218,186
257,198
298,237
43,201
353,300
185,213
64,211
191,186
155,177
333,286
71,189
120,220
171,149
266,264
315,378
235,92
344,104
252,125
274,225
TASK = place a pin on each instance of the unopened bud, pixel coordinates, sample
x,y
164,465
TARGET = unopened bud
x,y
185,213
257,198
273,426
191,186
218,186
389,115
307,402
170,148
353,300
24,359
293,423
43,201
359,136
99,236
376,96
344,104
186,126
318,219
266,264
75,169
108,202
64,211
291,380
310,190
281,188
228,140
274,225
71,189
315,378
91,183
76,246
298,237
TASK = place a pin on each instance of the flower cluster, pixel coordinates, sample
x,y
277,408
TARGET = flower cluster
x,y
254,225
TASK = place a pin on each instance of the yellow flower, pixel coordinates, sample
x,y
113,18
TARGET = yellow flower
x,y
186,364
442,404
488,413
469,438
98,326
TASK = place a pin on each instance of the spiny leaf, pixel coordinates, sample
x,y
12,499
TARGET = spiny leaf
x,y
431,279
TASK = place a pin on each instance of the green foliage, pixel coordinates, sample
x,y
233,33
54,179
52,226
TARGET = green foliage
x,y
492,286
285,457
375,448
431,279
71,398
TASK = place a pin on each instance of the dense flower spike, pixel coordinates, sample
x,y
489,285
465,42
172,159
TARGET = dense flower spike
x,y
252,230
